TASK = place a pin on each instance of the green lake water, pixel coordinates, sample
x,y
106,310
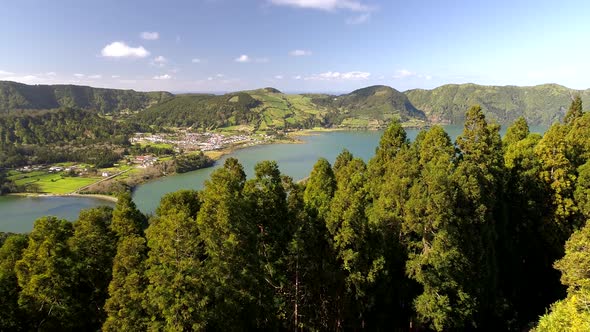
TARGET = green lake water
x,y
17,214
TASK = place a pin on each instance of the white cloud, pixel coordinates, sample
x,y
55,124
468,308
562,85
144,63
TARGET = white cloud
x,y
159,61
328,5
150,35
115,76
403,73
242,58
96,76
121,50
79,75
262,60
219,75
27,79
51,73
351,75
209,78
300,53
362,18
298,77
196,60
5,73
279,77
163,77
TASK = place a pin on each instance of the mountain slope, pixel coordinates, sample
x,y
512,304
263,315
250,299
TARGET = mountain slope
x,y
541,104
268,108
17,96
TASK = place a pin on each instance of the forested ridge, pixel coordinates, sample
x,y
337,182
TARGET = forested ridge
x,y
269,108
22,97
62,135
428,235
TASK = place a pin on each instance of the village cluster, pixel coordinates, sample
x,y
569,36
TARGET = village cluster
x,y
189,141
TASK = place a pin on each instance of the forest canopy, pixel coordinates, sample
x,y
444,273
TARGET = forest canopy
x,y
430,234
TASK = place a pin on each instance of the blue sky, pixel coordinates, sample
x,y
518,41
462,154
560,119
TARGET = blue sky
x,y
294,45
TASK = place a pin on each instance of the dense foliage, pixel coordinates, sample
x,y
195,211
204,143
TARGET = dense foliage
x,y
61,135
190,162
428,235
18,96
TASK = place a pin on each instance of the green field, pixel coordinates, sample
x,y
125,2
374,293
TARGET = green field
x,y
52,183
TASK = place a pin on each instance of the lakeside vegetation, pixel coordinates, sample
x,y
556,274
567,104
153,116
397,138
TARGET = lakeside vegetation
x,y
431,234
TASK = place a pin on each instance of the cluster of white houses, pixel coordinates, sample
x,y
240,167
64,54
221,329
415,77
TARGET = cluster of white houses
x,y
193,141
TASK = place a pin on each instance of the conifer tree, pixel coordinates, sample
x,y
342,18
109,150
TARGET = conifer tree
x,y
559,174
124,307
175,296
572,313
12,318
360,263
229,239
436,259
575,110
319,270
478,176
267,205
93,246
45,277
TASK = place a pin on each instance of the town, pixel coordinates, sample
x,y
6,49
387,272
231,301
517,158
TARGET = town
x,y
208,141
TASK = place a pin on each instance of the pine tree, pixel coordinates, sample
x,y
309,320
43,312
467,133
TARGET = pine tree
x,y
575,110
572,313
93,246
319,189
267,205
124,307
478,176
315,255
436,260
175,293
229,239
559,174
349,230
46,277
12,318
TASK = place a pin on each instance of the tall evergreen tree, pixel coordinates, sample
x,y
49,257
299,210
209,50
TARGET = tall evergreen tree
x,y
175,293
124,307
315,254
267,205
93,246
559,174
478,178
360,263
46,278
319,189
229,239
12,318
575,110
436,259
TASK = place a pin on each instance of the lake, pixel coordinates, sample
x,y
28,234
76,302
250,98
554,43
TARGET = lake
x,y
17,214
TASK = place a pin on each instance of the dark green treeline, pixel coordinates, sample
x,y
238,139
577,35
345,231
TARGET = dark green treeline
x,y
429,235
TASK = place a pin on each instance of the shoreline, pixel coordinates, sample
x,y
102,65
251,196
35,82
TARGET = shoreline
x,y
111,199
292,137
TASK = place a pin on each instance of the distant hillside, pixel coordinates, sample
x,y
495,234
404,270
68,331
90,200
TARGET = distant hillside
x,y
541,104
17,96
268,108
378,104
